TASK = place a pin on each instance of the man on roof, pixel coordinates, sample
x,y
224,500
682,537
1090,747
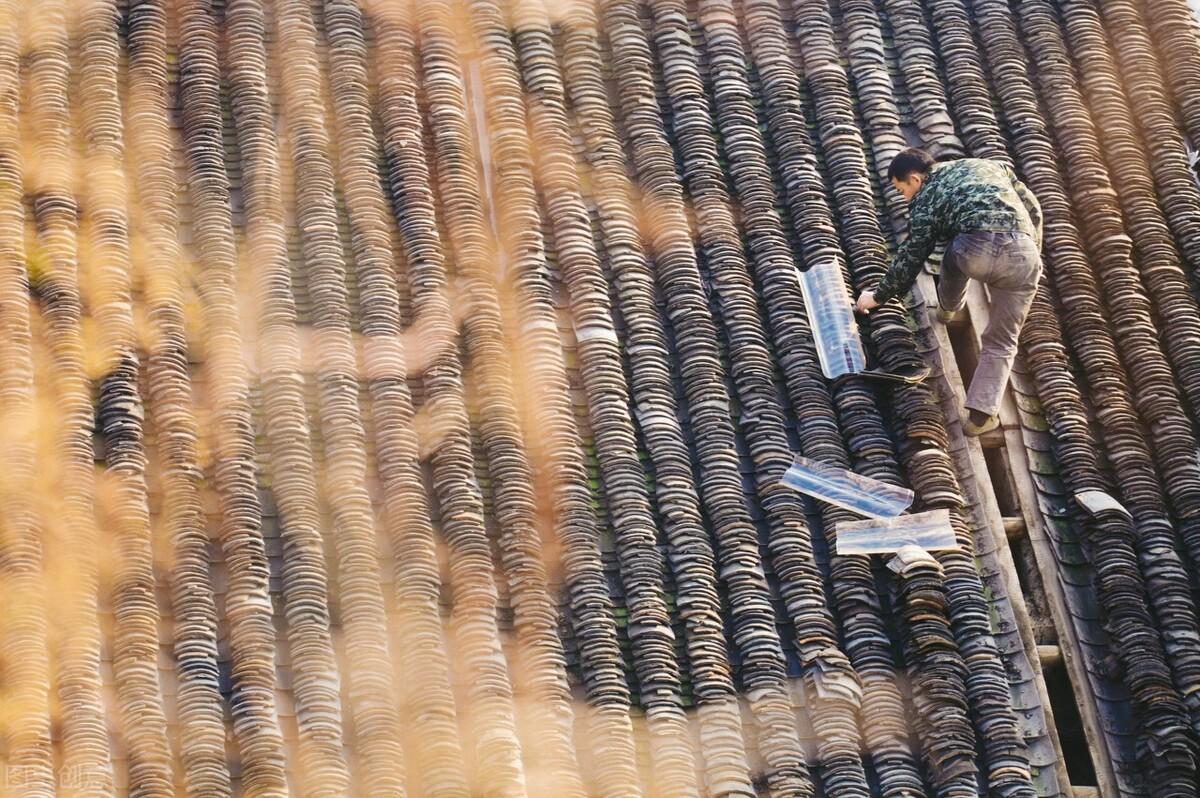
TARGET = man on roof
x,y
993,224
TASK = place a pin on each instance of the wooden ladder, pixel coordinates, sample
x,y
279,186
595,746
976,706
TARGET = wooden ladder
x,y
1017,506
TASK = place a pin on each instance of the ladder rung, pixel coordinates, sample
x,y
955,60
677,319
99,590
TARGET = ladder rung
x,y
993,439
1014,526
1049,655
959,317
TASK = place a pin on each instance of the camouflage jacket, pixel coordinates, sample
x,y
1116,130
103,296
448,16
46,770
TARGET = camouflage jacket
x,y
963,196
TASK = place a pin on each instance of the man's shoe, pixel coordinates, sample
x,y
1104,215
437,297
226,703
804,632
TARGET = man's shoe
x,y
973,430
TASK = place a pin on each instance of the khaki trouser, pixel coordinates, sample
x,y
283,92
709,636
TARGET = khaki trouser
x,y
1009,265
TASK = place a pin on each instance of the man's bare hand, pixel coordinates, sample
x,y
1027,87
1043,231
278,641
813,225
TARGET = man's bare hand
x,y
866,302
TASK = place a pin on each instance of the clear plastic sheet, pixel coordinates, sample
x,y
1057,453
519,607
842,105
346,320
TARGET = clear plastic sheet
x,y
846,489
930,531
831,316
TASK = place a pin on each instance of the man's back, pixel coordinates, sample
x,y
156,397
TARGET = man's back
x,y
970,195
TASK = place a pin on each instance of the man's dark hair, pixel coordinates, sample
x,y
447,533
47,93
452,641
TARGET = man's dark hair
x,y
909,161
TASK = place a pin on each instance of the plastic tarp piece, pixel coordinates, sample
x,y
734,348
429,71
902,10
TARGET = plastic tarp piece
x,y
846,489
1097,501
831,316
930,531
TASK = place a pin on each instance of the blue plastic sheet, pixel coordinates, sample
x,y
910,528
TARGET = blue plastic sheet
x,y
846,489
831,316
930,531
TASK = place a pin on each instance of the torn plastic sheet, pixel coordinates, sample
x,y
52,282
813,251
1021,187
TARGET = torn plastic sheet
x,y
831,316
931,531
846,489
1097,501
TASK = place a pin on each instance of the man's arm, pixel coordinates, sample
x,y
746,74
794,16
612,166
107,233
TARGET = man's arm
x,y
911,255
1031,205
